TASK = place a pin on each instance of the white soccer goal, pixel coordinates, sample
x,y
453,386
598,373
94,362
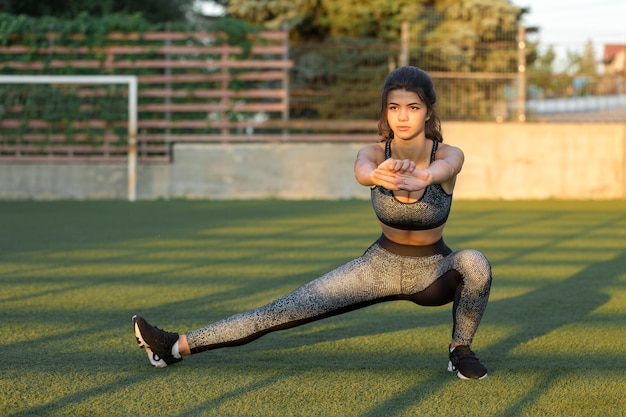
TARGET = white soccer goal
x,y
129,80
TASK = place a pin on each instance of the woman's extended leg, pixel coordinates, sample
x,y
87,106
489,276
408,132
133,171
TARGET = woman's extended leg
x,y
367,280
356,284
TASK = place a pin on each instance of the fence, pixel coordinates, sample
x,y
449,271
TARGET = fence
x,y
191,89
341,78
475,80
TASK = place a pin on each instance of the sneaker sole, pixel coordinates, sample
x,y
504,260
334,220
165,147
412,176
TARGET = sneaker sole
x,y
142,343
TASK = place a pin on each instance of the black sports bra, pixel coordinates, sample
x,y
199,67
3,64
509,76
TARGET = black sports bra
x,y
430,211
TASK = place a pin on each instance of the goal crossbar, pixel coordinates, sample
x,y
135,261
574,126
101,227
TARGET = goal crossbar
x,y
129,80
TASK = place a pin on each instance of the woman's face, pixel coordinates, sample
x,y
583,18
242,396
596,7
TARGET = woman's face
x,y
406,114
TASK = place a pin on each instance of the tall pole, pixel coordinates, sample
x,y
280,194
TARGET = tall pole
x,y
404,45
286,80
521,73
132,138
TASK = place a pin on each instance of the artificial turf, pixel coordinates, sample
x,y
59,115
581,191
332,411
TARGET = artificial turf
x,y
73,273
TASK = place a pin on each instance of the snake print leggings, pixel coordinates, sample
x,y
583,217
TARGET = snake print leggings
x,y
427,275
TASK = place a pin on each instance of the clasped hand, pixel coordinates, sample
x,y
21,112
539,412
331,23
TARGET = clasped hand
x,y
401,174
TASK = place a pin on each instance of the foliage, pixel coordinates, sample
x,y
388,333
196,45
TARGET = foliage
x,y
379,19
320,19
236,32
64,109
585,63
346,75
33,32
153,10
271,13
444,36
541,75
464,36
50,40
578,77
486,20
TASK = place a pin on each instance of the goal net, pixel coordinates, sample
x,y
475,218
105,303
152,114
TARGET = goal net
x,y
70,118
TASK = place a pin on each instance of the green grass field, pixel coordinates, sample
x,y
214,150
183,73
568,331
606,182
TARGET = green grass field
x,y
73,273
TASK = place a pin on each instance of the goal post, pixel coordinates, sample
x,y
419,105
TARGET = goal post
x,y
129,80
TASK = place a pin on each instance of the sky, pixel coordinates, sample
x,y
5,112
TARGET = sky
x,y
569,24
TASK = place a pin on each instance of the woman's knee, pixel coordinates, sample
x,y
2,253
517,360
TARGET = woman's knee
x,y
474,266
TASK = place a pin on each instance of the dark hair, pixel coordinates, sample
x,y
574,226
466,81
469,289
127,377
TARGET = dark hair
x,y
418,81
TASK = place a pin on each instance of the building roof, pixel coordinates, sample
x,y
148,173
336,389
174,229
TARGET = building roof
x,y
610,50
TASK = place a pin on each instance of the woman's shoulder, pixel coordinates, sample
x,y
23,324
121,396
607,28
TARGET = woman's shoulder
x,y
444,149
373,149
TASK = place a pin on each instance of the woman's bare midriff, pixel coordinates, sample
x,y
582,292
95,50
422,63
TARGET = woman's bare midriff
x,y
413,237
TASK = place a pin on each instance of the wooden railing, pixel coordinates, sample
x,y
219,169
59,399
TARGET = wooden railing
x,y
190,89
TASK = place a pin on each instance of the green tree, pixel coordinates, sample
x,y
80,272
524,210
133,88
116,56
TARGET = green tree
x,y
457,32
544,64
462,35
318,19
153,10
379,18
582,70
272,13
585,63
362,41
541,74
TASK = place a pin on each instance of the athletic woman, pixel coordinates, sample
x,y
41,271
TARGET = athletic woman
x,y
412,174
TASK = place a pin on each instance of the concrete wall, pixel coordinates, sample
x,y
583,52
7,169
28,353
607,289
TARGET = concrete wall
x,y
539,161
503,161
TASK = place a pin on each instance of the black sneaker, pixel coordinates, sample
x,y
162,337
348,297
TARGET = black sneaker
x,y
466,364
157,343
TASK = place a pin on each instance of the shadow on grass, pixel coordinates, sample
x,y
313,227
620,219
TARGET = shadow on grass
x,y
553,306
